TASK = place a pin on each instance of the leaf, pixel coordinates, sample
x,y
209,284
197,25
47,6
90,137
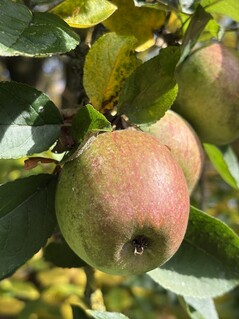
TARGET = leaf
x,y
27,219
228,8
33,34
141,23
197,24
206,264
225,162
60,254
151,89
106,315
88,120
167,5
84,14
79,313
211,31
29,122
32,162
199,308
108,63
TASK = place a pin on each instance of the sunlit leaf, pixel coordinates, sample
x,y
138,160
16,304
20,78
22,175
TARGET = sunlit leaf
x,y
225,162
141,23
33,34
151,89
109,62
206,264
106,315
211,31
27,219
199,308
84,14
167,5
79,313
29,122
228,8
88,120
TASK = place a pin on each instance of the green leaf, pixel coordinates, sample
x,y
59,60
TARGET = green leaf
x,y
33,34
88,120
84,14
211,30
29,122
228,8
225,162
206,264
197,24
106,315
60,254
27,219
151,89
80,313
199,308
108,63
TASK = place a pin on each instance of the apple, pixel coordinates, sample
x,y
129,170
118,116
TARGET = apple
x,y
173,131
122,204
208,94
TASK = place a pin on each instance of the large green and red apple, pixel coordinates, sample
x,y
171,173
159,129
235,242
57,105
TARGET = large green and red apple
x,y
123,204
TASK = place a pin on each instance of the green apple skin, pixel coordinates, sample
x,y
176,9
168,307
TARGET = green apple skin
x,y
208,94
122,205
173,131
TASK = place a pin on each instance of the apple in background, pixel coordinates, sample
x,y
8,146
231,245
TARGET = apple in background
x,y
173,131
123,204
208,94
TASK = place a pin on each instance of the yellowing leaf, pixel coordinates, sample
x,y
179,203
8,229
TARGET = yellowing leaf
x,y
84,13
109,62
138,22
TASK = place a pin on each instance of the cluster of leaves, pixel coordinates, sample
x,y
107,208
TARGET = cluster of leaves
x,y
116,81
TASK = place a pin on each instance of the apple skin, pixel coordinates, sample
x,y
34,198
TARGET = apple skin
x,y
208,94
122,205
173,131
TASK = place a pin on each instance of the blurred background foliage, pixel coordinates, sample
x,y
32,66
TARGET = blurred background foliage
x,y
39,290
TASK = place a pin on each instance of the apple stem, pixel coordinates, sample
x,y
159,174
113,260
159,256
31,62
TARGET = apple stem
x,y
90,284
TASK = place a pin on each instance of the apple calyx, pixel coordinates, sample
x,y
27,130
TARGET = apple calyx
x,y
139,244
